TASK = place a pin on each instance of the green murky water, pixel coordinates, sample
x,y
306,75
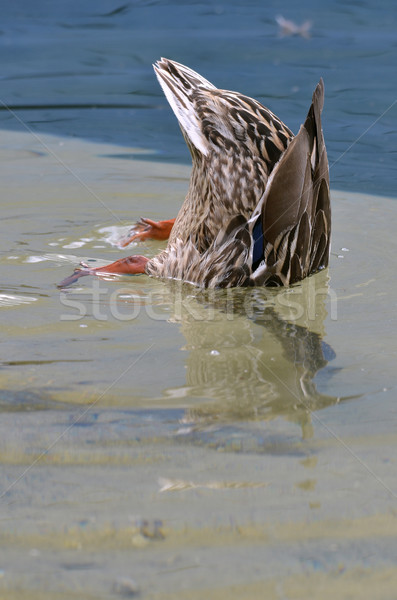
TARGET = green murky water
x,y
154,437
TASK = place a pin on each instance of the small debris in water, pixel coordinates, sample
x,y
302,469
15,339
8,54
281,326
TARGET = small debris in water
x,y
125,586
146,530
178,485
288,27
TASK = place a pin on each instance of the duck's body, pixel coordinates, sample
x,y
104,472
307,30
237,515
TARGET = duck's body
x,y
234,142
239,182
257,210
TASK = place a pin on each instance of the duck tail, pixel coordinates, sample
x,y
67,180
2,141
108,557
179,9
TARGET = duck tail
x,y
179,84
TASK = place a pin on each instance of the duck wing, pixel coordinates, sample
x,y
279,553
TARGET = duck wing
x,y
295,211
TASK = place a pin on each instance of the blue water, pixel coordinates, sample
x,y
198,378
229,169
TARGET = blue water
x,y
84,69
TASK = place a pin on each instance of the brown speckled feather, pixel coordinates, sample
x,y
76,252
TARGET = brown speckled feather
x,y
295,210
247,165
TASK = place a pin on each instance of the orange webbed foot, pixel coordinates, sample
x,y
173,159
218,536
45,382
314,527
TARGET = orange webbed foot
x,y
131,265
146,229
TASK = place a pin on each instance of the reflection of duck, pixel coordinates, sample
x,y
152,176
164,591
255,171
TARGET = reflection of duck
x,y
246,361
257,210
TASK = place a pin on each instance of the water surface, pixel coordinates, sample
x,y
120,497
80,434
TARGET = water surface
x,y
154,436
84,69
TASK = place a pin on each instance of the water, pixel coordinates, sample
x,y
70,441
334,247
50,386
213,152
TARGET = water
x,y
153,437
157,437
84,69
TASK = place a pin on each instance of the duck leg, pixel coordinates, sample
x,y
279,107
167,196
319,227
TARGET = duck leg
x,y
146,229
131,265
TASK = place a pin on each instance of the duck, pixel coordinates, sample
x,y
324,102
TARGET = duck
x,y
257,211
